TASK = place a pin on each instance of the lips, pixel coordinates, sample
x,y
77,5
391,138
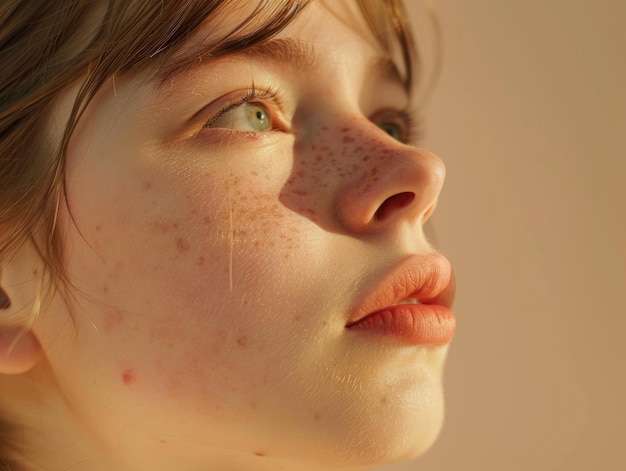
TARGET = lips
x,y
411,303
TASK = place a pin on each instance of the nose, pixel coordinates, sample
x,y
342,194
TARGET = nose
x,y
394,182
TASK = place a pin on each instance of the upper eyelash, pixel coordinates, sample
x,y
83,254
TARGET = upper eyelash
x,y
414,123
251,95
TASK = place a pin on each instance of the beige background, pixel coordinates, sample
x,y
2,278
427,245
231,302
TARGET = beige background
x,y
530,117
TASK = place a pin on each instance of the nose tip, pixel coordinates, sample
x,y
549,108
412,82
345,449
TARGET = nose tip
x,y
405,189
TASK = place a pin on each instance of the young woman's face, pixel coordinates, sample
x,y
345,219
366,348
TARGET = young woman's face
x,y
223,230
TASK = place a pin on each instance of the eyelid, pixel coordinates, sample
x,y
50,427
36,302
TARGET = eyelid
x,y
267,97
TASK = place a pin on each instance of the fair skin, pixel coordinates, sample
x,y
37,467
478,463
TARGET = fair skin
x,y
216,268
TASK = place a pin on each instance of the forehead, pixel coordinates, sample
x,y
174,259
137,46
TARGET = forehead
x,y
244,31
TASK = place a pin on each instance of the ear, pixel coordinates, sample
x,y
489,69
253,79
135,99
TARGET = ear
x,y
20,349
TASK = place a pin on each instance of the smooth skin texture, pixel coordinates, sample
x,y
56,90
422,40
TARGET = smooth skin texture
x,y
217,248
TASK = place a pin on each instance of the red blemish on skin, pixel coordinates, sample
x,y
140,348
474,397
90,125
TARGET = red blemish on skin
x,y
259,453
201,260
147,185
98,228
348,139
128,377
242,341
182,245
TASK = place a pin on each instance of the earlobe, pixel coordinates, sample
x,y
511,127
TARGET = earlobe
x,y
19,349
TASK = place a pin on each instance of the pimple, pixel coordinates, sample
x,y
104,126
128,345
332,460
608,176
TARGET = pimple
x,y
259,453
242,341
128,377
147,185
201,260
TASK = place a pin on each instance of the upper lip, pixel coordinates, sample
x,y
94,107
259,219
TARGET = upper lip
x,y
427,278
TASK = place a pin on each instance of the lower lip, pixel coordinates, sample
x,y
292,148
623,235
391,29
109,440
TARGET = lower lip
x,y
412,324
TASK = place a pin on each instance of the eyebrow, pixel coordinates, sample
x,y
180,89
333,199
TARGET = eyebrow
x,y
300,55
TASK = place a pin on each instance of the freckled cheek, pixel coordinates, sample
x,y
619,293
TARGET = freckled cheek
x,y
194,282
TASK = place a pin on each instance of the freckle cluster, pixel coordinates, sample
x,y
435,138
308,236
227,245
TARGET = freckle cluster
x,y
322,163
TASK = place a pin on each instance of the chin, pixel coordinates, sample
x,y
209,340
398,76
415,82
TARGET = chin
x,y
397,432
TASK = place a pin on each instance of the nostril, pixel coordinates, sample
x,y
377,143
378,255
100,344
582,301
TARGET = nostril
x,y
394,203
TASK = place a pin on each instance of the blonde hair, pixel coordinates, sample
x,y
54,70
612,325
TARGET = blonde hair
x,y
48,46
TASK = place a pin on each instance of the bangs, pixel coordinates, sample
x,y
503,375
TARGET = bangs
x,y
228,34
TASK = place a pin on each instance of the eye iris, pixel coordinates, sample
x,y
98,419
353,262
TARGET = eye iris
x,y
258,117
393,129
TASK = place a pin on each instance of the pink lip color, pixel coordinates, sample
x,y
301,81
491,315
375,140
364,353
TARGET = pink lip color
x,y
413,324
382,313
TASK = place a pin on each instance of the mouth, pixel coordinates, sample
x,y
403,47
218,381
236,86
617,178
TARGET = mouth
x,y
410,304
408,301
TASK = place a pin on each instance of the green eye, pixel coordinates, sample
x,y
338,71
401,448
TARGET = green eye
x,y
395,130
399,124
244,117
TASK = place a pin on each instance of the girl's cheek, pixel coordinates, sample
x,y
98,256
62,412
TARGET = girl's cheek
x,y
186,283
